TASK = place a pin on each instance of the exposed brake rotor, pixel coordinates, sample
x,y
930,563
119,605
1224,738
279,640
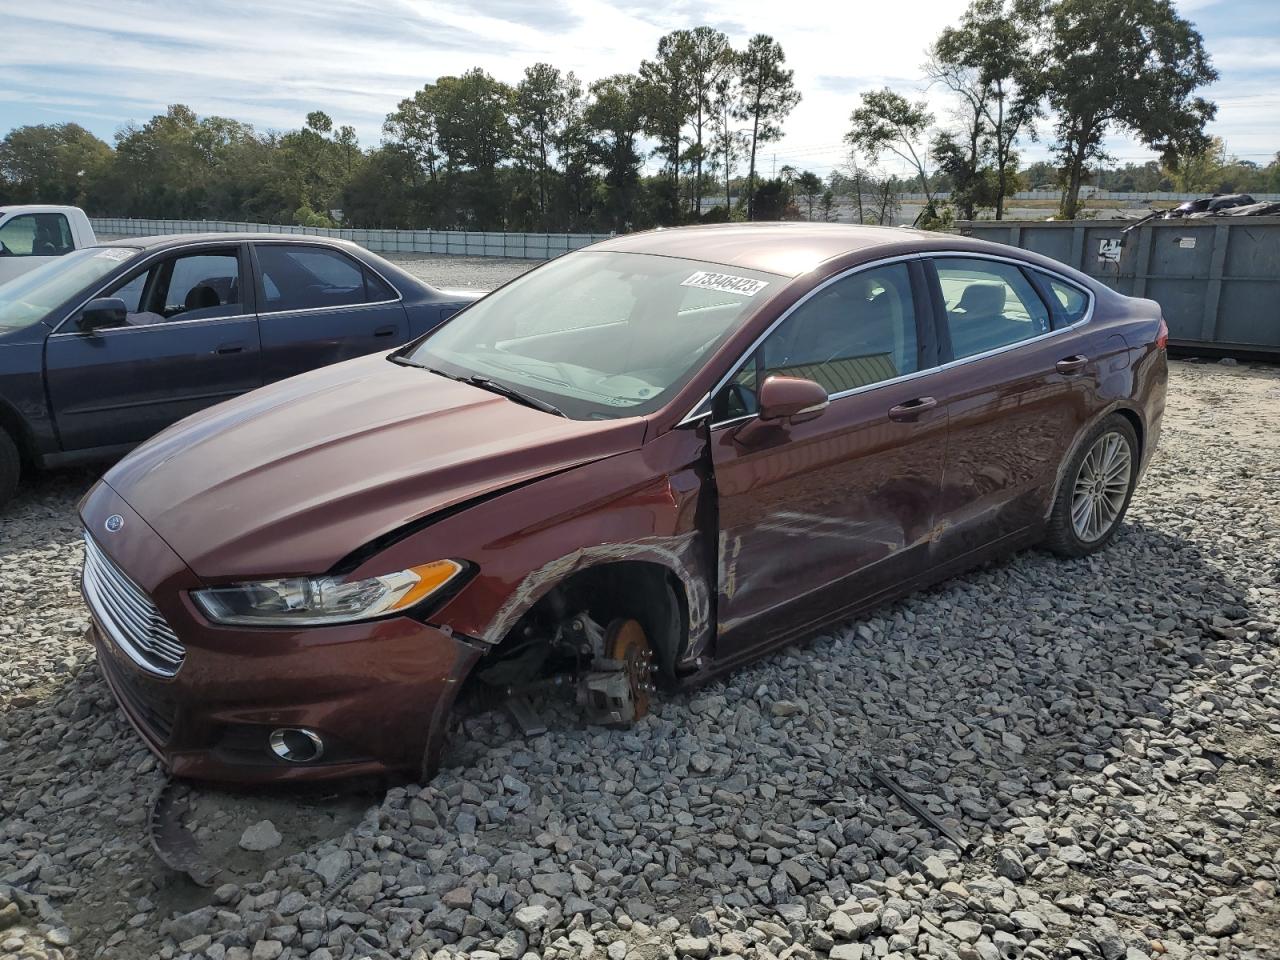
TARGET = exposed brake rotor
x,y
616,691
625,641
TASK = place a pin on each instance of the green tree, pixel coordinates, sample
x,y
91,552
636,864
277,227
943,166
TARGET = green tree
x,y
614,119
989,53
729,143
809,187
768,95
313,166
827,207
1128,66
710,61
1201,170
473,120
412,128
573,143
541,105
51,163
773,200
666,91
888,121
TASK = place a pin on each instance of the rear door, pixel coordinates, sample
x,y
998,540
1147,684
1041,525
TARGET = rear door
x,y
1016,380
319,305
818,516
190,340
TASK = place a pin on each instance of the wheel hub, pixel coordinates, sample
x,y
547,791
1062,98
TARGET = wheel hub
x,y
1101,487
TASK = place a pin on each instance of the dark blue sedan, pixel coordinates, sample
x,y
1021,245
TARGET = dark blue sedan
x,y
107,345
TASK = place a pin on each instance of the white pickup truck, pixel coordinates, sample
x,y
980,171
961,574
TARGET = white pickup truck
x,y
37,233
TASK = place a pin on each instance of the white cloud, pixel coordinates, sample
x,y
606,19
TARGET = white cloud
x,y
269,63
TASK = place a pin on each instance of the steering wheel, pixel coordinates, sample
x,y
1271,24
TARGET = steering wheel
x,y
5,251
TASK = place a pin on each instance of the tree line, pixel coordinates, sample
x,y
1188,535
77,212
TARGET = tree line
x,y
552,153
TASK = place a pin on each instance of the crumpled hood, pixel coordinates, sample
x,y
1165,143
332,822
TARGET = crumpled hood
x,y
291,478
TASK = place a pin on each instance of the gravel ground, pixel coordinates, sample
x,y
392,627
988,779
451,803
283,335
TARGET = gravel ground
x,y
476,272
1105,734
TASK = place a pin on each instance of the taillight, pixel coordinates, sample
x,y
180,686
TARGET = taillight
x,y
1162,336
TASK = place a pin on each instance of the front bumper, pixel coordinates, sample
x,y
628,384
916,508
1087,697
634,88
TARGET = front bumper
x,y
377,693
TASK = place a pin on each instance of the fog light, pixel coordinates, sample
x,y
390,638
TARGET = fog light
x,y
296,745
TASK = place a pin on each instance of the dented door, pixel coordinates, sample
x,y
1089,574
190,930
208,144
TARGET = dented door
x,y
823,514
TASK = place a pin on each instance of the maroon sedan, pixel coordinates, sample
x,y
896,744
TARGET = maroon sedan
x,y
637,465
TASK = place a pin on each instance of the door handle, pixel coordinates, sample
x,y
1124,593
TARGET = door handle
x,y
910,411
385,331
226,348
1070,366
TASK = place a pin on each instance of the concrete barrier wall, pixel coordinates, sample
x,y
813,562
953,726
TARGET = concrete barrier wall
x,y
456,243
1216,279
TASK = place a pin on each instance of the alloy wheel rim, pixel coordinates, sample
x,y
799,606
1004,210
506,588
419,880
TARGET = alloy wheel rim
x,y
1101,486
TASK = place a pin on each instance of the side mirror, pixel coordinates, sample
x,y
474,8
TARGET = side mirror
x,y
103,312
782,401
791,399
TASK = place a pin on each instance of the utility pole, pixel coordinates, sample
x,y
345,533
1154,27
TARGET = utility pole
x,y
774,175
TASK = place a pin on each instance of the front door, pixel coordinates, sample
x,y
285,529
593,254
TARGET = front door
x,y
819,516
1016,392
190,340
317,305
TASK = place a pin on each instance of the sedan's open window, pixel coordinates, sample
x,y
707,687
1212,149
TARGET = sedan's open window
x,y
195,286
989,305
598,334
855,332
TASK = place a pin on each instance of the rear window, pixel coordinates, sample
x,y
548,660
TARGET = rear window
x,y
297,277
1073,301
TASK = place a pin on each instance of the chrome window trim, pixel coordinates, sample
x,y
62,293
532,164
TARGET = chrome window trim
x,y
160,254
697,413
134,328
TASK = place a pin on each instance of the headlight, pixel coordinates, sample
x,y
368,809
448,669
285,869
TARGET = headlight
x,y
312,601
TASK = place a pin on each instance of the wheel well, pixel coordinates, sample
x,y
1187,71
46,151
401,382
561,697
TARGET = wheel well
x,y
1136,422
628,589
12,424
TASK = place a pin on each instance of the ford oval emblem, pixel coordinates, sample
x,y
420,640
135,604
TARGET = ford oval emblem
x,y
114,523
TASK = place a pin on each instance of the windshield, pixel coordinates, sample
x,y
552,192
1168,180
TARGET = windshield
x,y
598,334
28,298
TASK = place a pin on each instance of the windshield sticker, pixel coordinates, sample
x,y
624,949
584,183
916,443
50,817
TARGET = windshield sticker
x,y
118,255
727,282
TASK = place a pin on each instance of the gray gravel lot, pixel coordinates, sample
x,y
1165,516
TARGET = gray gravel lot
x,y
1105,732
482,272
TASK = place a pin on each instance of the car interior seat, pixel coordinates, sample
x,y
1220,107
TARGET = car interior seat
x,y
201,297
978,322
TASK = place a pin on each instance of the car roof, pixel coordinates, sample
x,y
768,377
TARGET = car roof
x,y
37,208
182,239
785,248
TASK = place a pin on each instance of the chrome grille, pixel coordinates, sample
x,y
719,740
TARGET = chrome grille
x,y
128,614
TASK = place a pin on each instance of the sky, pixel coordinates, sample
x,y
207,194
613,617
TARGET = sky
x,y
104,65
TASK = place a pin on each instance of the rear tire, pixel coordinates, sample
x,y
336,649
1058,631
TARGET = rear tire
x,y
10,467
1097,486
